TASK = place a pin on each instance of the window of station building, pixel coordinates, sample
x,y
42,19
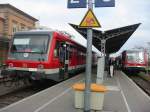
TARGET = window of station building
x,y
14,27
25,28
22,27
29,28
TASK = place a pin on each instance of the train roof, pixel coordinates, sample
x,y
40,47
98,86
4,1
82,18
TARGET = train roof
x,y
48,32
37,31
34,32
134,50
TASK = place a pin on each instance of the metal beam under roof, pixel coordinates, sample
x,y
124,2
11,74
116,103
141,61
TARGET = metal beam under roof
x,y
115,38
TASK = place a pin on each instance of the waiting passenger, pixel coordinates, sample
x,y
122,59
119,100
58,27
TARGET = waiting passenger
x,y
111,67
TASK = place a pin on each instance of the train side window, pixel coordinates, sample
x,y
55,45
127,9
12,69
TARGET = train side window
x,y
56,50
70,52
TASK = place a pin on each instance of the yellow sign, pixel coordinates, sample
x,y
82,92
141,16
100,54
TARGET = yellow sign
x,y
89,20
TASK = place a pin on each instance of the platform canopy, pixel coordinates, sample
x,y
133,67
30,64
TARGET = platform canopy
x,y
115,38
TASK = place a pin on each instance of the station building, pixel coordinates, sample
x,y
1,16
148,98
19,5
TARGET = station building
x,y
11,21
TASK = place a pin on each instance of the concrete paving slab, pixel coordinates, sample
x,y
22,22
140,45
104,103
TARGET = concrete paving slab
x,y
32,103
136,100
123,96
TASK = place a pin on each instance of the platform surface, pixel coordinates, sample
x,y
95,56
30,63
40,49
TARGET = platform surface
x,y
123,96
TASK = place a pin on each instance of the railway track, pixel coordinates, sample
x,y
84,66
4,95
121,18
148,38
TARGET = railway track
x,y
143,83
15,96
22,93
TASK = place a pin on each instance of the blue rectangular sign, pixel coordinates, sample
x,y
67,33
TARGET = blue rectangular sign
x,y
77,4
104,3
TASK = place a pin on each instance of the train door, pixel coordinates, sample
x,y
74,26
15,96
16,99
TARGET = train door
x,y
67,58
64,60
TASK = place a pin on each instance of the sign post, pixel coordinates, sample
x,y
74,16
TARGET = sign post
x,y
88,65
88,22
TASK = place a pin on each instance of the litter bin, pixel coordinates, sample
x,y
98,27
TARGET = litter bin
x,y
97,96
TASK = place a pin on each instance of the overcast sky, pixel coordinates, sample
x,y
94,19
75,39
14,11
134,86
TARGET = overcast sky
x,y
54,14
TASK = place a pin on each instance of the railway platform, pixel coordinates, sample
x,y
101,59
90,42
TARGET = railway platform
x,y
122,96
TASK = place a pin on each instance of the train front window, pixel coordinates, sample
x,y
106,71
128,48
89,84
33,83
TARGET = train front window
x,y
131,56
30,43
135,57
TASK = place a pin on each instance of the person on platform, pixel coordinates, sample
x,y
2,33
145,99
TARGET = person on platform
x,y
111,67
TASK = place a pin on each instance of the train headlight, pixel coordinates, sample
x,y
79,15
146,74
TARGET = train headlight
x,y
40,66
10,65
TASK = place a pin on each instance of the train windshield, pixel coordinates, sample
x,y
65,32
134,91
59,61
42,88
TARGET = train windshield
x,y
30,47
135,57
30,43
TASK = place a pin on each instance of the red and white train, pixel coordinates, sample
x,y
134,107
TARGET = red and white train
x,y
45,55
134,60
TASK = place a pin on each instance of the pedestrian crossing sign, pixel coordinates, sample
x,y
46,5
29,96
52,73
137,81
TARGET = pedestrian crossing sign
x,y
89,20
